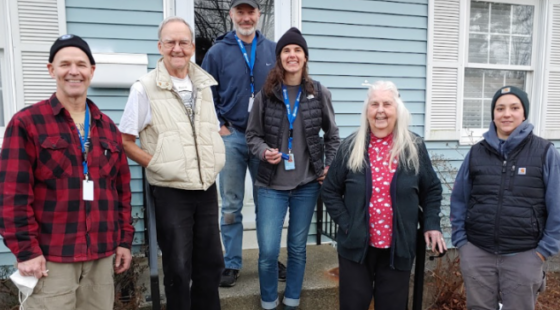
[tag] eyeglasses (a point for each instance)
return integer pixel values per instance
(184, 44)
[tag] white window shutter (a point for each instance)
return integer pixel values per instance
(444, 71)
(36, 24)
(552, 74)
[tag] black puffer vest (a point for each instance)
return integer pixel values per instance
(275, 119)
(506, 211)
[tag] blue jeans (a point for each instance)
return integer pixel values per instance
(273, 205)
(232, 191)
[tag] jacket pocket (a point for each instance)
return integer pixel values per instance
(53, 158)
(356, 236)
(109, 158)
(535, 224)
(219, 152)
(169, 162)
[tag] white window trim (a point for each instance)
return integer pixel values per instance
(8, 78)
(535, 72)
(470, 136)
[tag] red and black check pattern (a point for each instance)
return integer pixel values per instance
(41, 207)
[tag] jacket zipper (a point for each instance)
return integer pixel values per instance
(190, 113)
(368, 176)
(394, 206)
(511, 176)
(500, 202)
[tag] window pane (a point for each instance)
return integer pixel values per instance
(508, 40)
(521, 50)
(486, 115)
(471, 114)
(522, 19)
(500, 18)
(480, 86)
(480, 13)
(473, 85)
(478, 48)
(212, 20)
(499, 50)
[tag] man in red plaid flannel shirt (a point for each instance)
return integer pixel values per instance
(65, 190)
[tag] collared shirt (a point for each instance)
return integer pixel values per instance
(380, 205)
(42, 210)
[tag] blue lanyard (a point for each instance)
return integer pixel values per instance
(83, 141)
(291, 114)
(250, 63)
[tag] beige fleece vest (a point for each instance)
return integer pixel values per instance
(184, 156)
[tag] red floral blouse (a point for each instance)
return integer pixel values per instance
(380, 206)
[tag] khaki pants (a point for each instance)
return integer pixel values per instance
(514, 280)
(80, 286)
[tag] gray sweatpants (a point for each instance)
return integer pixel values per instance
(515, 280)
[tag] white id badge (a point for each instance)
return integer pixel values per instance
(290, 163)
(88, 190)
(251, 100)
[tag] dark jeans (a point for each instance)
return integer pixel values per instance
(390, 291)
(189, 238)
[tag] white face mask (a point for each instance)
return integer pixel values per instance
(25, 286)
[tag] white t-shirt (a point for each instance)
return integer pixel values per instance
(137, 113)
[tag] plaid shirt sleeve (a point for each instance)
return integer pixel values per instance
(18, 226)
(123, 188)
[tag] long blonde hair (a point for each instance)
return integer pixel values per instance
(404, 146)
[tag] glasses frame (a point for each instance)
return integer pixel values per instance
(183, 44)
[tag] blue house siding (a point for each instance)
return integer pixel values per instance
(354, 41)
(119, 27)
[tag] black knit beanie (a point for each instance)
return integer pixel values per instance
(292, 36)
(70, 40)
(511, 90)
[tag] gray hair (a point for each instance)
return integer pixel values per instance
(171, 19)
(404, 147)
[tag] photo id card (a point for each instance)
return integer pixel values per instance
(290, 163)
(251, 100)
(88, 190)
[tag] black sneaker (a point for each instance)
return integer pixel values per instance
(281, 272)
(229, 277)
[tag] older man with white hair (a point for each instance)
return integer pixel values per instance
(172, 110)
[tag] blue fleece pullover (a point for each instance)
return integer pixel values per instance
(550, 242)
(225, 62)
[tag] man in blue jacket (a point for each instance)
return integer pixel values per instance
(240, 61)
(505, 209)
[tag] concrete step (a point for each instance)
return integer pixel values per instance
(320, 288)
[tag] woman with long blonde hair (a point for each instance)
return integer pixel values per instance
(380, 178)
